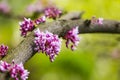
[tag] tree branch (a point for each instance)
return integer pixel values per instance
(25, 50)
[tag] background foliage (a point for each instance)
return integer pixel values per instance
(97, 56)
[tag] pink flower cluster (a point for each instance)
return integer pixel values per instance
(4, 66)
(26, 25)
(3, 50)
(72, 37)
(94, 20)
(40, 20)
(35, 7)
(16, 71)
(4, 7)
(47, 43)
(52, 12)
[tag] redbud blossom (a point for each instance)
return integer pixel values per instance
(47, 43)
(52, 12)
(16, 71)
(35, 7)
(4, 66)
(40, 20)
(100, 21)
(25, 26)
(4, 7)
(94, 20)
(72, 38)
(3, 50)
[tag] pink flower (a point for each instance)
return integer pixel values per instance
(94, 20)
(18, 71)
(25, 26)
(52, 12)
(100, 21)
(4, 66)
(72, 38)
(40, 20)
(36, 7)
(47, 43)
(3, 50)
(4, 7)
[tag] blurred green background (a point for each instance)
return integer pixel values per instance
(97, 56)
